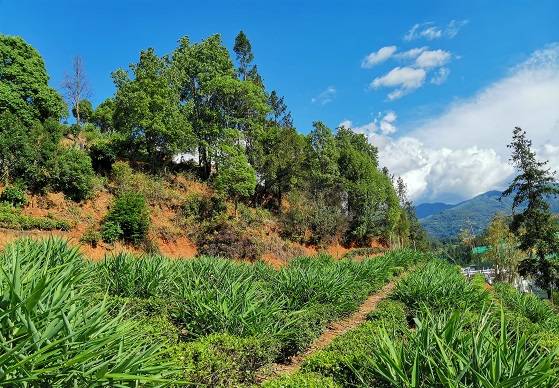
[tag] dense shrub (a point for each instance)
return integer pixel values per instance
(202, 207)
(301, 380)
(104, 150)
(131, 214)
(223, 360)
(142, 277)
(528, 305)
(389, 312)
(73, 174)
(312, 221)
(91, 236)
(14, 195)
(485, 354)
(224, 238)
(111, 232)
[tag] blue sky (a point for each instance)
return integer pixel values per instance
(313, 53)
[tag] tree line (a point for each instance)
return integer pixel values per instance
(200, 110)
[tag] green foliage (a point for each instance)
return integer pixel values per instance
(26, 154)
(53, 331)
(486, 354)
(221, 360)
(86, 111)
(389, 312)
(235, 177)
(104, 149)
(12, 218)
(148, 113)
(535, 226)
(14, 195)
(280, 166)
(129, 276)
(440, 286)
(91, 236)
(103, 115)
(24, 89)
(312, 221)
(111, 232)
(73, 174)
(528, 305)
(131, 214)
(202, 207)
(301, 380)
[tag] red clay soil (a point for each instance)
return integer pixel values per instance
(336, 329)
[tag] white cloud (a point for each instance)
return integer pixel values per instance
(325, 96)
(527, 97)
(462, 152)
(345, 123)
(405, 79)
(387, 125)
(411, 53)
(440, 76)
(431, 31)
(433, 58)
(378, 56)
(442, 174)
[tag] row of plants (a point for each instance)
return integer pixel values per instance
(128, 321)
(439, 329)
(228, 320)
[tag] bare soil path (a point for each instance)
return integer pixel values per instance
(335, 329)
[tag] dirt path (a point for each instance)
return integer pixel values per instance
(335, 329)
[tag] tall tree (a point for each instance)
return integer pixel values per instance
(76, 86)
(217, 100)
(24, 89)
(197, 69)
(236, 177)
(103, 115)
(283, 154)
(243, 52)
(279, 113)
(535, 226)
(85, 110)
(148, 112)
(503, 249)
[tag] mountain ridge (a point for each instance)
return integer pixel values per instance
(474, 213)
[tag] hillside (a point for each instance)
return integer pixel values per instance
(426, 209)
(473, 214)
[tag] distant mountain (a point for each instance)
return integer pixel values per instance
(475, 213)
(426, 209)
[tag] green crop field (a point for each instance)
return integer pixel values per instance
(150, 320)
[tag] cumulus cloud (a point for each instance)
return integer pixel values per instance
(387, 123)
(377, 57)
(325, 96)
(442, 174)
(433, 58)
(431, 31)
(462, 152)
(405, 79)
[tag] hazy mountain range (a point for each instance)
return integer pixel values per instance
(443, 221)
